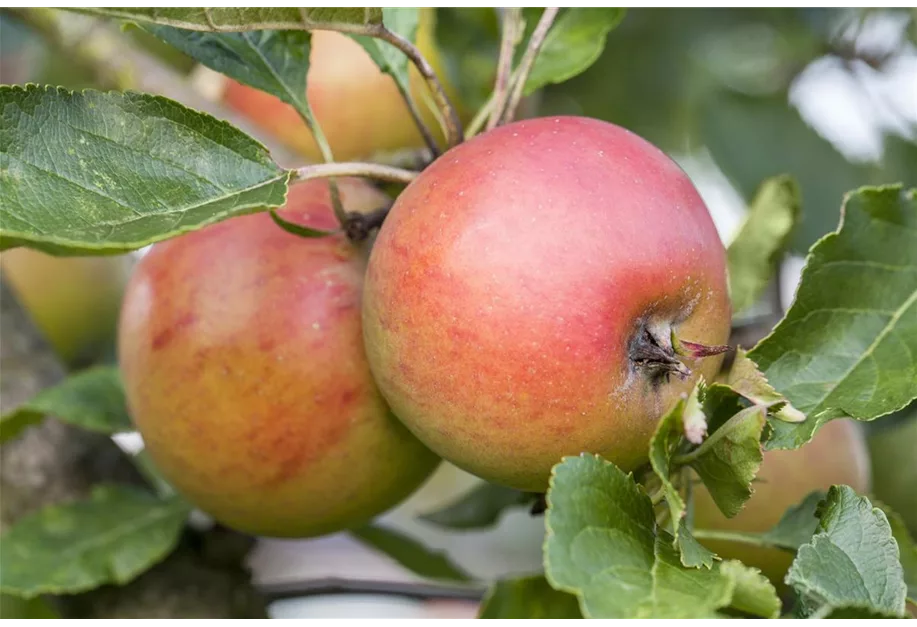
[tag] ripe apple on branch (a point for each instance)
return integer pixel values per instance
(545, 304)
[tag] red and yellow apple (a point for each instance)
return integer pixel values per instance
(523, 295)
(243, 364)
(837, 455)
(359, 108)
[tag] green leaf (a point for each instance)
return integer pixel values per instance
(907, 548)
(600, 537)
(479, 508)
(848, 344)
(246, 19)
(298, 229)
(753, 593)
(92, 399)
(528, 597)
(103, 173)
(729, 459)
(853, 612)
(12, 607)
(797, 525)
(755, 253)
(144, 464)
(109, 538)
(602, 545)
(401, 21)
(853, 560)
(746, 380)
(410, 553)
(574, 42)
(663, 447)
(273, 61)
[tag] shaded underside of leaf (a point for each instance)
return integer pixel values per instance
(528, 597)
(480, 508)
(410, 553)
(753, 256)
(728, 461)
(275, 62)
(92, 399)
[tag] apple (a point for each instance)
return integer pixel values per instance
(529, 294)
(244, 369)
(74, 301)
(837, 455)
(359, 108)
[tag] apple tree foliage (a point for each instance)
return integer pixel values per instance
(104, 173)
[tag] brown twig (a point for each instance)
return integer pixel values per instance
(528, 61)
(452, 124)
(512, 30)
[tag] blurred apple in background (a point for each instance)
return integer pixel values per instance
(892, 444)
(74, 301)
(359, 108)
(837, 455)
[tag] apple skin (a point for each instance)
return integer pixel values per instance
(243, 364)
(509, 281)
(74, 301)
(360, 110)
(837, 455)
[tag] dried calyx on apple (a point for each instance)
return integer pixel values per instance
(656, 350)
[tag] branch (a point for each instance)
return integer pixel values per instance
(319, 587)
(367, 170)
(512, 29)
(425, 131)
(528, 61)
(452, 125)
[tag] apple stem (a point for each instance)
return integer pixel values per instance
(512, 29)
(358, 226)
(367, 170)
(527, 62)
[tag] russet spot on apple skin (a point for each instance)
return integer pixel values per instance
(242, 356)
(509, 282)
